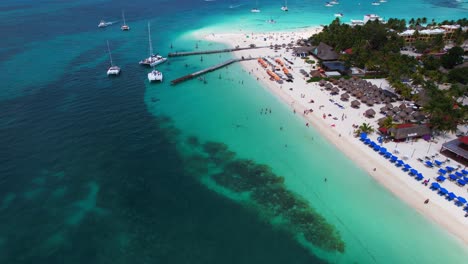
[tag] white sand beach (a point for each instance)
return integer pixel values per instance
(336, 124)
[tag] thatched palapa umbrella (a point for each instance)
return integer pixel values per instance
(345, 96)
(328, 86)
(370, 102)
(370, 113)
(355, 104)
(335, 90)
(322, 82)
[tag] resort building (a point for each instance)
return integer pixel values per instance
(457, 149)
(447, 32)
(323, 52)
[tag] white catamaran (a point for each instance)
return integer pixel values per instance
(124, 27)
(153, 59)
(255, 9)
(155, 75)
(113, 70)
(285, 7)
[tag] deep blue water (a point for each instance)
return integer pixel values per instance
(87, 175)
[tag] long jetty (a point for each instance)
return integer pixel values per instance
(188, 53)
(210, 69)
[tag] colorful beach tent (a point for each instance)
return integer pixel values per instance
(413, 172)
(393, 158)
(435, 186)
(363, 135)
(450, 169)
(461, 182)
(429, 164)
(438, 163)
(465, 172)
(452, 177)
(458, 174)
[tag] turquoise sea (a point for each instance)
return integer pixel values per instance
(116, 170)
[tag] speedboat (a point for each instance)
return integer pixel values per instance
(103, 24)
(284, 8)
(334, 2)
(375, 3)
(153, 60)
(339, 15)
(328, 5)
(155, 75)
(255, 10)
(113, 70)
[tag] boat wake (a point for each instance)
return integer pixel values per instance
(235, 6)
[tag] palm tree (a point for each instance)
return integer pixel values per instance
(424, 20)
(388, 123)
(364, 128)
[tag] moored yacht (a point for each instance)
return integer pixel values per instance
(255, 9)
(155, 75)
(328, 4)
(285, 7)
(153, 59)
(124, 27)
(113, 69)
(375, 3)
(338, 14)
(334, 2)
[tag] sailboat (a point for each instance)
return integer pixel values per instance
(113, 70)
(255, 9)
(155, 75)
(152, 60)
(285, 7)
(124, 27)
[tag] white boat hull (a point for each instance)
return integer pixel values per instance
(155, 76)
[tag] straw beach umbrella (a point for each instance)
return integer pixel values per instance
(345, 96)
(355, 104)
(370, 113)
(335, 90)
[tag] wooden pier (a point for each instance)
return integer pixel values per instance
(188, 53)
(210, 69)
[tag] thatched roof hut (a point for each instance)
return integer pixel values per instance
(402, 114)
(370, 102)
(370, 113)
(335, 90)
(383, 109)
(322, 82)
(402, 106)
(328, 86)
(408, 132)
(389, 106)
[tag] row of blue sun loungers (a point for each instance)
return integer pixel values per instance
(392, 158)
(459, 200)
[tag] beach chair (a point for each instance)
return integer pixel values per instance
(429, 164)
(441, 178)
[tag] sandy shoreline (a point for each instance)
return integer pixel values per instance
(338, 130)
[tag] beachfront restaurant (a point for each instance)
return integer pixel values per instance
(403, 132)
(323, 52)
(457, 149)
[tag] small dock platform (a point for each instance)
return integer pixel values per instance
(210, 69)
(188, 53)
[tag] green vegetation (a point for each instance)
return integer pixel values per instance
(364, 128)
(376, 48)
